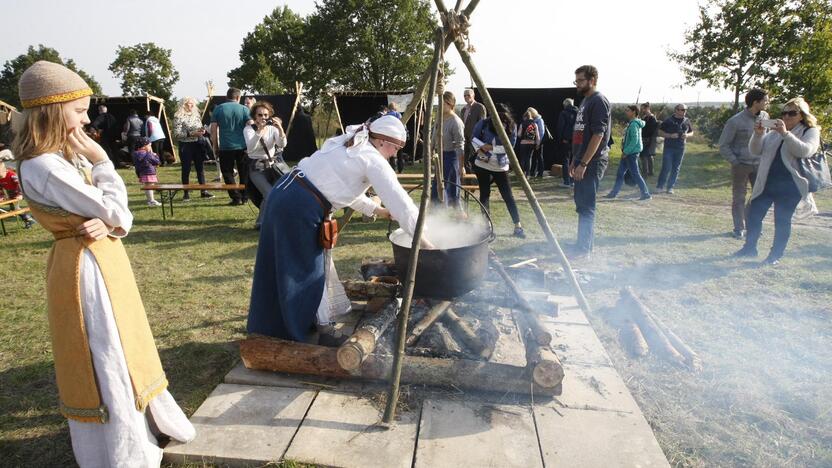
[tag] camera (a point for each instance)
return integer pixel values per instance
(271, 121)
(768, 123)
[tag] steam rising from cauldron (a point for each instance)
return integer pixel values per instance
(445, 230)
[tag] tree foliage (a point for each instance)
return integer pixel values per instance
(273, 56)
(346, 44)
(806, 69)
(737, 44)
(145, 68)
(12, 70)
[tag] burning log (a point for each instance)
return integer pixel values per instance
(542, 336)
(363, 341)
(430, 317)
(357, 289)
(466, 334)
(633, 339)
(276, 355)
(545, 366)
(377, 267)
(654, 335)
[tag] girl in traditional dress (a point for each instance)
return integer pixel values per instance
(295, 285)
(110, 380)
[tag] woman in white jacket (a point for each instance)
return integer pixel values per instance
(779, 182)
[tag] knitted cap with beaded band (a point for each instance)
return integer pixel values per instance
(50, 83)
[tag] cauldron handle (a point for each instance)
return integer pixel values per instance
(491, 235)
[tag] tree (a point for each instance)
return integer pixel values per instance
(805, 70)
(273, 55)
(12, 70)
(737, 44)
(145, 69)
(369, 45)
(373, 45)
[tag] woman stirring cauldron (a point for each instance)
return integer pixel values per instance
(295, 284)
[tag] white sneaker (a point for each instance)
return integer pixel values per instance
(153, 203)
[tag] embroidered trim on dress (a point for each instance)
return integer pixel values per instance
(150, 392)
(56, 98)
(99, 415)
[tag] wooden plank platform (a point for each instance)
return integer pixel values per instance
(596, 422)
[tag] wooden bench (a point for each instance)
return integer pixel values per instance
(168, 192)
(4, 215)
(409, 177)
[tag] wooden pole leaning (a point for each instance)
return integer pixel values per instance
(524, 183)
(298, 93)
(419, 90)
(401, 329)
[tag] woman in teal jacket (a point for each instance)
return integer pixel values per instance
(631, 148)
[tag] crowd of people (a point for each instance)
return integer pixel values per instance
(110, 380)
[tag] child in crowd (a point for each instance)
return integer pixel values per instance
(10, 187)
(145, 162)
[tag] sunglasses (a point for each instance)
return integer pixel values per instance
(790, 113)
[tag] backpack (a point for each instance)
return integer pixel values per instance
(529, 130)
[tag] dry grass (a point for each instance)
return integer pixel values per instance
(764, 333)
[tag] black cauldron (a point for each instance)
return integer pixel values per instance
(449, 273)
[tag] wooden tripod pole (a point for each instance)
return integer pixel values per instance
(538, 211)
(401, 328)
(419, 91)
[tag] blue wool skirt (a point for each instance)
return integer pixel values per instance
(289, 270)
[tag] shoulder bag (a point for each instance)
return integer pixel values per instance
(816, 168)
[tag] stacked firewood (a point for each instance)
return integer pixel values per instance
(642, 332)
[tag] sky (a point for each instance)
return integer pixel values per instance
(519, 43)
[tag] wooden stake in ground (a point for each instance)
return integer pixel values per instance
(401, 329)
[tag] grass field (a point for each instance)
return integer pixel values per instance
(763, 399)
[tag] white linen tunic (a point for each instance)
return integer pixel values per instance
(343, 178)
(126, 439)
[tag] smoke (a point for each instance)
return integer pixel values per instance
(447, 229)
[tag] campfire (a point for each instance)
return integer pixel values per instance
(485, 337)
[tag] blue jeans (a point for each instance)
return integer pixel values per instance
(585, 192)
(671, 163)
(629, 163)
(524, 156)
(784, 197)
(450, 169)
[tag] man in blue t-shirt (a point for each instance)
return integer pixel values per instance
(227, 123)
(675, 130)
(590, 154)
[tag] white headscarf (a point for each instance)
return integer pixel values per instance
(386, 125)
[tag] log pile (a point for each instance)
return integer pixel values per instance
(450, 342)
(641, 332)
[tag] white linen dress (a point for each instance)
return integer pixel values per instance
(126, 440)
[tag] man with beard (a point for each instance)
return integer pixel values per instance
(590, 154)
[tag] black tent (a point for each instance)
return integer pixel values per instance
(547, 101)
(301, 136)
(120, 108)
(355, 107)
